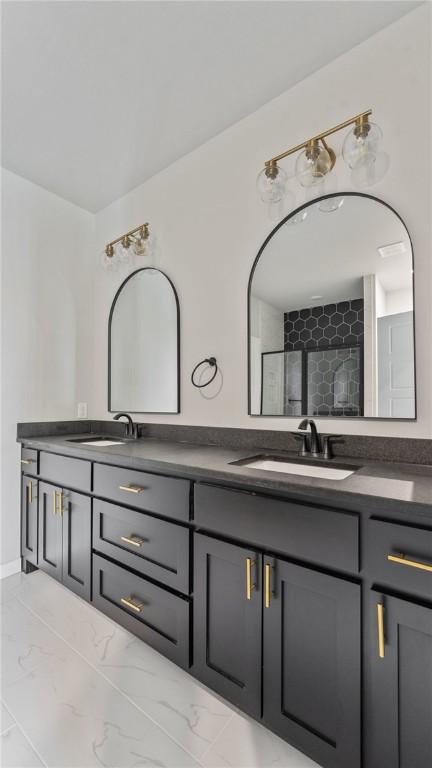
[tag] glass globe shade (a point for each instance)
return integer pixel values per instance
(312, 164)
(109, 263)
(361, 145)
(298, 218)
(122, 254)
(331, 204)
(271, 184)
(144, 246)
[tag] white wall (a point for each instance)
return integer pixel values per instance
(46, 324)
(210, 222)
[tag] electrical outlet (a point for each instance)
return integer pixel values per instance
(82, 410)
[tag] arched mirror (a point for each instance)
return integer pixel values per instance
(144, 340)
(331, 313)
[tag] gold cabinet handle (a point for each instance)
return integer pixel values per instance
(131, 488)
(381, 634)
(402, 560)
(132, 604)
(249, 583)
(134, 540)
(58, 509)
(30, 497)
(267, 586)
(26, 461)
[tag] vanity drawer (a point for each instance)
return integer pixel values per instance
(411, 573)
(151, 546)
(64, 471)
(164, 496)
(317, 534)
(29, 461)
(157, 616)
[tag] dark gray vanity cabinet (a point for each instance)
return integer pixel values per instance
(228, 620)
(156, 615)
(50, 531)
(268, 600)
(312, 661)
(65, 537)
(77, 525)
(29, 519)
(400, 711)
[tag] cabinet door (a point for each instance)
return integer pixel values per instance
(76, 512)
(227, 621)
(400, 712)
(29, 519)
(312, 662)
(50, 530)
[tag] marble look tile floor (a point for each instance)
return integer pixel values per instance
(79, 691)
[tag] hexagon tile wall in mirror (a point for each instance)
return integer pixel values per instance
(144, 345)
(331, 313)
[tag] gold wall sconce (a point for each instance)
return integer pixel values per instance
(138, 242)
(317, 158)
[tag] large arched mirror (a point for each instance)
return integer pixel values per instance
(143, 356)
(331, 313)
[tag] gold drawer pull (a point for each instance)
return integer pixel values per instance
(249, 583)
(26, 461)
(413, 563)
(130, 602)
(267, 578)
(131, 488)
(381, 634)
(134, 540)
(54, 502)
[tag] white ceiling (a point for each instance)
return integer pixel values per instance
(99, 96)
(328, 254)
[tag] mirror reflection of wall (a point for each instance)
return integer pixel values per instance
(331, 314)
(143, 345)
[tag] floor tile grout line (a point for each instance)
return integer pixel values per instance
(6, 730)
(122, 693)
(217, 737)
(22, 730)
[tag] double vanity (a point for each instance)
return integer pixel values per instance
(304, 600)
(295, 585)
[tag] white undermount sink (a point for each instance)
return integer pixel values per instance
(102, 442)
(298, 468)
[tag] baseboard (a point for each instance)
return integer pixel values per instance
(8, 569)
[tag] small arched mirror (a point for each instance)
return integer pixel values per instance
(331, 313)
(144, 341)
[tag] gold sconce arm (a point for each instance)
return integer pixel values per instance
(362, 117)
(141, 231)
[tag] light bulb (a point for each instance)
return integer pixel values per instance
(361, 144)
(271, 183)
(312, 164)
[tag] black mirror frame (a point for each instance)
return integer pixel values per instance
(256, 260)
(129, 277)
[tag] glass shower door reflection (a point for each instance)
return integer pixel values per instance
(335, 382)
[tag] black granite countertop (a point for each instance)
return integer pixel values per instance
(406, 485)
